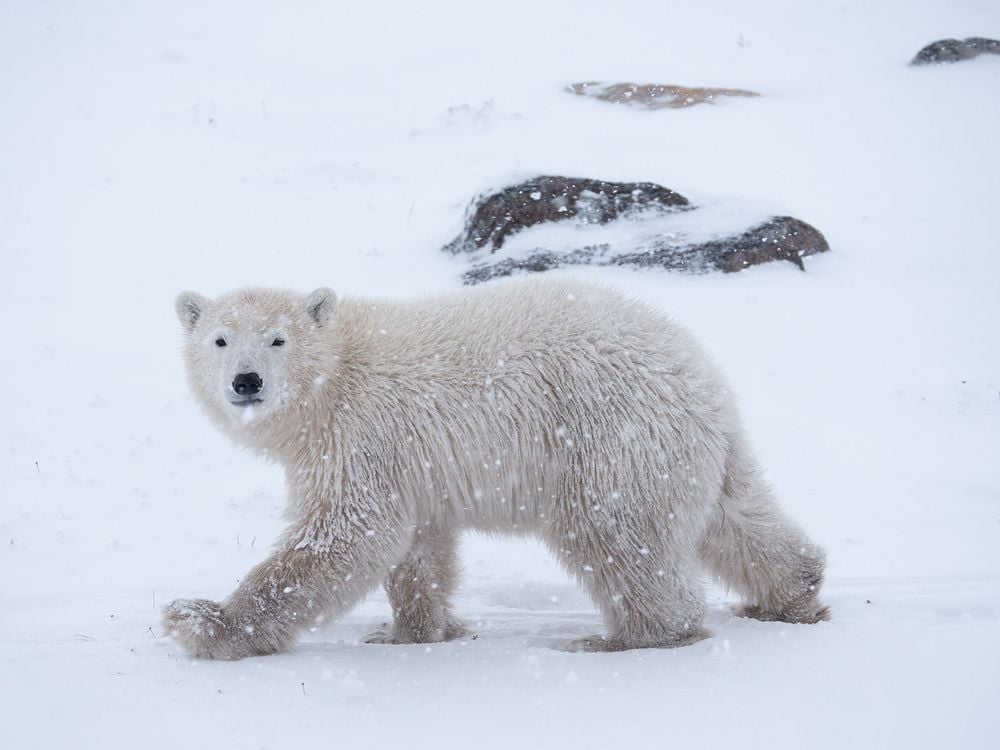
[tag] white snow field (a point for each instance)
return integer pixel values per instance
(147, 148)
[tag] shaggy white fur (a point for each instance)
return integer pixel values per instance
(550, 408)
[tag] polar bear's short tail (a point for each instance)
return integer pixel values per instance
(752, 547)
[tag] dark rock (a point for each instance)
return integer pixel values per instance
(653, 95)
(493, 217)
(954, 50)
(498, 215)
(780, 238)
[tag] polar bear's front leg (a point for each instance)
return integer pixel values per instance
(261, 617)
(321, 570)
(419, 587)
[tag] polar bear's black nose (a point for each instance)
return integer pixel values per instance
(247, 383)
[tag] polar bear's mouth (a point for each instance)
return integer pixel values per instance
(252, 401)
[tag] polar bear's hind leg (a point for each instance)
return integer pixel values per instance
(753, 547)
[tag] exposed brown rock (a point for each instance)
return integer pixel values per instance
(954, 50)
(653, 95)
(498, 215)
(493, 217)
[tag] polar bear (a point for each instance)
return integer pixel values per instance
(550, 408)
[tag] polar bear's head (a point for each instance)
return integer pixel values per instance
(254, 353)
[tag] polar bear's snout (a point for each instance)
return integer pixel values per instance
(247, 385)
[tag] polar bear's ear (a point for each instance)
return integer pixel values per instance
(189, 306)
(319, 305)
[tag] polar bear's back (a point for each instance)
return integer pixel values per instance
(513, 316)
(535, 389)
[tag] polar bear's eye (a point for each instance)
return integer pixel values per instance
(220, 341)
(278, 342)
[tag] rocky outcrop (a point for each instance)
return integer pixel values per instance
(651, 212)
(496, 216)
(654, 95)
(954, 50)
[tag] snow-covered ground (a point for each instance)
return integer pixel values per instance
(148, 148)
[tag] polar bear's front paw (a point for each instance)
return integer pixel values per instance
(454, 629)
(197, 624)
(808, 612)
(202, 628)
(592, 644)
(381, 636)
(598, 643)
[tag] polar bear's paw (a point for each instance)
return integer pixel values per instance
(203, 629)
(453, 630)
(598, 643)
(591, 644)
(199, 626)
(808, 612)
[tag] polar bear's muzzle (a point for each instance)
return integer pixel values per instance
(246, 386)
